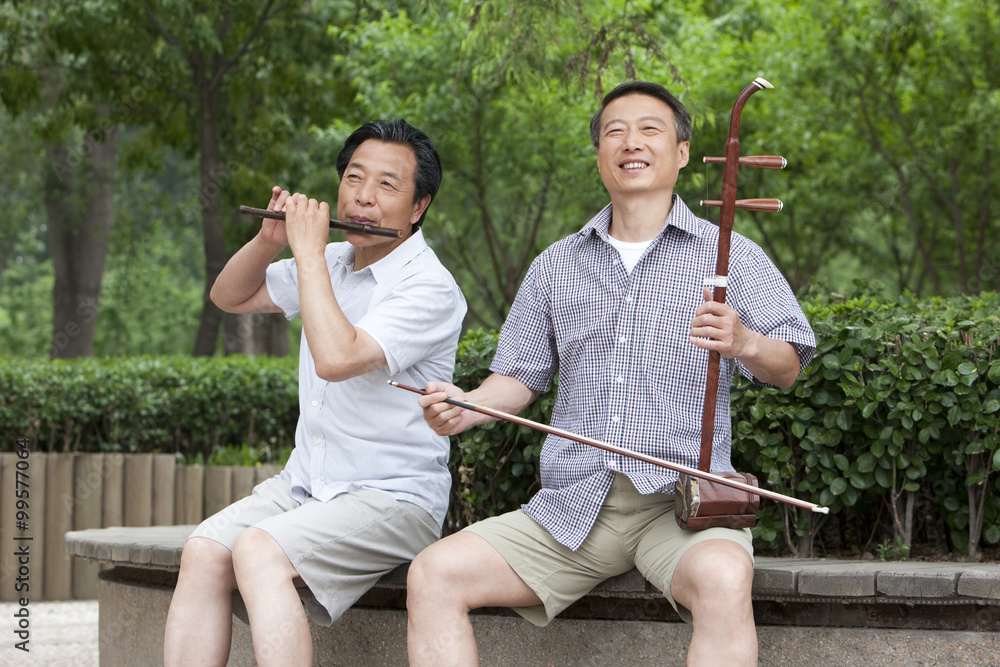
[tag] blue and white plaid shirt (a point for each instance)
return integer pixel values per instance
(628, 374)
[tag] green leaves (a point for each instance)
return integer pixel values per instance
(149, 404)
(898, 395)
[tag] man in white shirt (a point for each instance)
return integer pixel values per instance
(366, 487)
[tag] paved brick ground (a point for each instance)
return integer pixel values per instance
(63, 634)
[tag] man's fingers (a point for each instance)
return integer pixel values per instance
(427, 400)
(279, 204)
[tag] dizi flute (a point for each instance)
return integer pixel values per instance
(334, 224)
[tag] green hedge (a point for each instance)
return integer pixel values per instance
(183, 405)
(894, 425)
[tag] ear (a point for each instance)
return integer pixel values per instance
(685, 153)
(419, 208)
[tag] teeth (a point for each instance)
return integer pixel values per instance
(633, 165)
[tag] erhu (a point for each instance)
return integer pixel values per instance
(704, 505)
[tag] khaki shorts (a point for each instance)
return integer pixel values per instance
(339, 548)
(632, 530)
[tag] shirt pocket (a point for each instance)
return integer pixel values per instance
(583, 322)
(668, 359)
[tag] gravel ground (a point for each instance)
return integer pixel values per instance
(63, 634)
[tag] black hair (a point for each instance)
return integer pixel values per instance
(682, 119)
(427, 177)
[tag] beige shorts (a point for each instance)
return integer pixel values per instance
(632, 530)
(339, 548)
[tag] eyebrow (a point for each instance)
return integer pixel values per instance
(385, 174)
(640, 119)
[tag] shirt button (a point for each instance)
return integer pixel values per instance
(315, 403)
(616, 419)
(628, 299)
(317, 482)
(316, 441)
(621, 339)
(619, 379)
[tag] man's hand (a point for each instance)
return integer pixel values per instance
(272, 232)
(717, 326)
(307, 226)
(240, 286)
(444, 418)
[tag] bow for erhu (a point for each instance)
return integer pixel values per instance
(667, 465)
(731, 164)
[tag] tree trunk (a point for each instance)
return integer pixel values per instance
(4, 252)
(256, 334)
(212, 181)
(79, 194)
(250, 334)
(801, 546)
(976, 493)
(804, 545)
(975, 527)
(911, 501)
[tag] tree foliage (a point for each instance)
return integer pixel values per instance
(887, 113)
(893, 135)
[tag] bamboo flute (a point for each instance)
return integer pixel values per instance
(334, 224)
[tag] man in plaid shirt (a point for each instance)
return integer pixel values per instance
(620, 312)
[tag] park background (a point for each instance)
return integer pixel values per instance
(131, 132)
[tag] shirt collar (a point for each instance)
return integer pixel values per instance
(680, 217)
(392, 262)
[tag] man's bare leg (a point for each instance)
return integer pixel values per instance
(448, 579)
(200, 620)
(267, 582)
(713, 580)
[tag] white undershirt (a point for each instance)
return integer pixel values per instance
(630, 252)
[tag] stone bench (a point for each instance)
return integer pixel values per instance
(807, 611)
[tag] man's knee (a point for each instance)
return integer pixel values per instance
(204, 554)
(434, 573)
(733, 576)
(426, 572)
(256, 553)
(715, 568)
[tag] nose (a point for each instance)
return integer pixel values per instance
(365, 194)
(632, 141)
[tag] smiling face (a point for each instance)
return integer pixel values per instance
(638, 152)
(377, 188)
